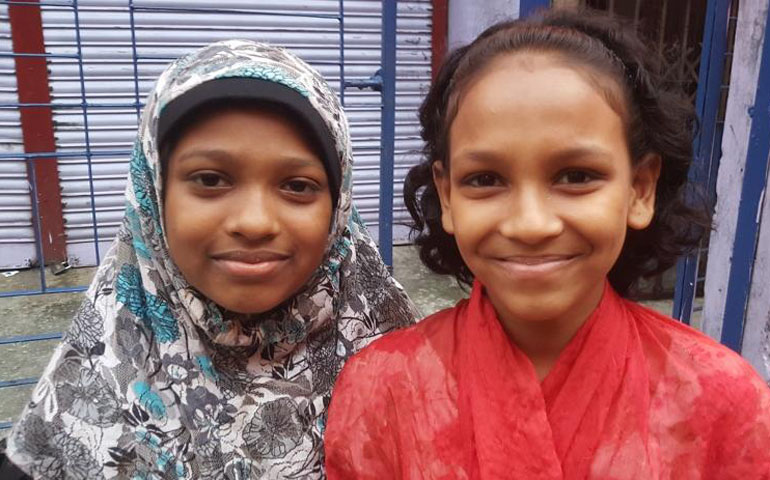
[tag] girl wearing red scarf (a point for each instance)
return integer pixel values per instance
(556, 161)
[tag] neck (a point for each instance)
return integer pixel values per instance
(543, 340)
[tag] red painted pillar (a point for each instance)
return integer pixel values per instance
(439, 34)
(37, 124)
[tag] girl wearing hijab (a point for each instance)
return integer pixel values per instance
(240, 282)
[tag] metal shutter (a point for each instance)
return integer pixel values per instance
(163, 33)
(17, 237)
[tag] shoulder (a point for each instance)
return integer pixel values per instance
(403, 344)
(403, 355)
(723, 377)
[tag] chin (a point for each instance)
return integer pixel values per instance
(253, 309)
(539, 316)
(248, 299)
(246, 308)
(535, 309)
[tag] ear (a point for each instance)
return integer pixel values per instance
(644, 182)
(442, 182)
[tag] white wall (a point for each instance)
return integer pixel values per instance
(468, 18)
(756, 337)
(743, 84)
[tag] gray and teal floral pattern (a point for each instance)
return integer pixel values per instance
(154, 381)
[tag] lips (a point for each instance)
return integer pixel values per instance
(537, 259)
(251, 264)
(534, 266)
(250, 256)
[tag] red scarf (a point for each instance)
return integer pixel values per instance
(634, 395)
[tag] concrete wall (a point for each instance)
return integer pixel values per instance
(756, 339)
(468, 18)
(750, 32)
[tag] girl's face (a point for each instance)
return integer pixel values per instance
(540, 187)
(247, 208)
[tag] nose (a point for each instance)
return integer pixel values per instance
(253, 216)
(531, 218)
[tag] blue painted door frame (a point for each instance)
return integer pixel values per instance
(707, 144)
(527, 7)
(753, 190)
(388, 125)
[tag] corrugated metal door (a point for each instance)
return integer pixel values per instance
(17, 237)
(163, 30)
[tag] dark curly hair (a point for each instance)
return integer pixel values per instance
(658, 119)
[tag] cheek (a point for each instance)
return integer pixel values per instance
(474, 220)
(601, 218)
(188, 223)
(310, 227)
(173, 216)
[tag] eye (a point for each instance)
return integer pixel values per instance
(300, 187)
(576, 177)
(209, 180)
(482, 180)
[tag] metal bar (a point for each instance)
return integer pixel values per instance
(235, 11)
(37, 55)
(37, 128)
(750, 207)
(41, 4)
(174, 57)
(69, 105)
(388, 126)
(662, 27)
(374, 82)
(342, 51)
(37, 227)
(29, 338)
(528, 7)
(38, 156)
(637, 11)
(86, 133)
(135, 59)
(685, 38)
(366, 108)
(29, 293)
(705, 150)
(18, 382)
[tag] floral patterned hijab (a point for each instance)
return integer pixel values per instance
(155, 381)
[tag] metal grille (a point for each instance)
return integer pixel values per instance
(677, 30)
(674, 27)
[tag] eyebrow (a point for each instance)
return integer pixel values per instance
(567, 154)
(299, 162)
(207, 153)
(290, 161)
(575, 153)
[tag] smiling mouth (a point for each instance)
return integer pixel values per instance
(538, 259)
(251, 265)
(534, 265)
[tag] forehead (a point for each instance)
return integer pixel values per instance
(255, 122)
(527, 72)
(526, 98)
